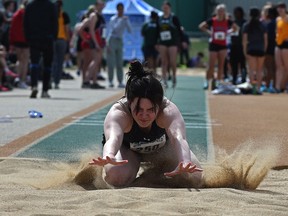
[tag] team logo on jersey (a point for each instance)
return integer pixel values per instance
(148, 146)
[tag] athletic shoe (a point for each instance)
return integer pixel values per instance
(56, 86)
(258, 92)
(263, 88)
(274, 91)
(22, 85)
(96, 86)
(121, 85)
(206, 85)
(34, 93)
(86, 85)
(66, 76)
(11, 74)
(45, 95)
(3, 89)
(111, 85)
(215, 83)
(100, 77)
(174, 81)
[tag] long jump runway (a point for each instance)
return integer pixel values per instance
(84, 134)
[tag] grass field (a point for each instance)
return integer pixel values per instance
(199, 45)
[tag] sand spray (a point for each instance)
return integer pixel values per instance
(244, 168)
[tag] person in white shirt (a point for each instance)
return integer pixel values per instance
(115, 30)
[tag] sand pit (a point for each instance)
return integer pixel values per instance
(237, 183)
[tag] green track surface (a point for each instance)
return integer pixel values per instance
(85, 135)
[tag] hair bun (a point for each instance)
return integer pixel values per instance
(136, 69)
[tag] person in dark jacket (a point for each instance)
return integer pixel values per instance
(41, 28)
(237, 57)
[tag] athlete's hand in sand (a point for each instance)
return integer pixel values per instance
(183, 168)
(107, 160)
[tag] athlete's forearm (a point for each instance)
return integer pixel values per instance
(111, 147)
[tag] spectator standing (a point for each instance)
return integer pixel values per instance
(3, 65)
(255, 46)
(41, 28)
(60, 44)
(115, 30)
(184, 50)
(269, 14)
(19, 43)
(149, 32)
(100, 36)
(1, 25)
(237, 58)
(281, 51)
(91, 48)
(217, 27)
(9, 9)
(170, 35)
(75, 45)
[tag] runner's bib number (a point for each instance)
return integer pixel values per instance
(165, 35)
(148, 147)
(219, 36)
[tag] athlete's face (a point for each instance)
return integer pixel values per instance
(120, 10)
(147, 112)
(221, 13)
(281, 10)
(166, 9)
(100, 6)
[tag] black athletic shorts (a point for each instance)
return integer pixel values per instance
(256, 53)
(284, 45)
(216, 47)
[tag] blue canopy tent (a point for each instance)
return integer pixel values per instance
(138, 12)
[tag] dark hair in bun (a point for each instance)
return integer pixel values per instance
(143, 84)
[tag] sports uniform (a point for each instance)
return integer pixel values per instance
(169, 31)
(282, 34)
(139, 141)
(255, 46)
(98, 29)
(219, 28)
(149, 32)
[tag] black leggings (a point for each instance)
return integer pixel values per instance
(44, 50)
(237, 58)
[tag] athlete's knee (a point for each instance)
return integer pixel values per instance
(118, 177)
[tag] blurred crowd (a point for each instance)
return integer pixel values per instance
(38, 42)
(253, 51)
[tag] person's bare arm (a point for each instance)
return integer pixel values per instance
(234, 28)
(174, 124)
(115, 124)
(203, 26)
